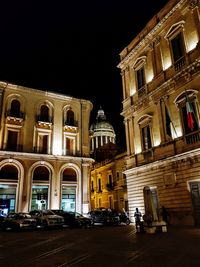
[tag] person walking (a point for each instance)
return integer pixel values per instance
(138, 216)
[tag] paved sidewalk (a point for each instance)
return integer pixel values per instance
(179, 247)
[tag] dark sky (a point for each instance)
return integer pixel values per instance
(72, 47)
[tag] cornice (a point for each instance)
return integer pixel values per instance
(164, 162)
(150, 35)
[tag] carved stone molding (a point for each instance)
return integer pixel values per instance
(193, 4)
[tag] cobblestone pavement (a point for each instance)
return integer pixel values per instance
(101, 246)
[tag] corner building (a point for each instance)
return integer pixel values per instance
(44, 150)
(160, 72)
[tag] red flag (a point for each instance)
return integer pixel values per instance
(190, 120)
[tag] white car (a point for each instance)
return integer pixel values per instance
(46, 218)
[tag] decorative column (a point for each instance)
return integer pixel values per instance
(85, 187)
(194, 6)
(127, 131)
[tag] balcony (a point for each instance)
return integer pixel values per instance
(13, 117)
(13, 148)
(179, 64)
(168, 149)
(142, 91)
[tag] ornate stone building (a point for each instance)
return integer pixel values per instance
(108, 184)
(160, 72)
(44, 150)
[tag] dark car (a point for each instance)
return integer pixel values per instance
(17, 221)
(74, 219)
(104, 216)
(47, 219)
(1, 220)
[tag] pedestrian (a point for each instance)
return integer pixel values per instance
(138, 216)
(165, 215)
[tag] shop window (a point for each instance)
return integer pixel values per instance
(39, 197)
(69, 198)
(9, 172)
(40, 188)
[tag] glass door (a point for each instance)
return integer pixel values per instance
(7, 198)
(39, 197)
(69, 198)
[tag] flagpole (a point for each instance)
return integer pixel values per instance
(188, 100)
(170, 118)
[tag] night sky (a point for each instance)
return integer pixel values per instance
(72, 47)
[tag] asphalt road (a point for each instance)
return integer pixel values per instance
(101, 246)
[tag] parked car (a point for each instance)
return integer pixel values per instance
(104, 216)
(46, 218)
(74, 219)
(124, 219)
(17, 221)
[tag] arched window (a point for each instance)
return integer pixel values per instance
(15, 108)
(44, 113)
(41, 173)
(70, 117)
(69, 175)
(9, 172)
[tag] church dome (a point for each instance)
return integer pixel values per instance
(101, 132)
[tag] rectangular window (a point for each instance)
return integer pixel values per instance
(110, 179)
(39, 197)
(43, 144)
(69, 146)
(177, 47)
(146, 138)
(117, 175)
(12, 140)
(140, 78)
(99, 185)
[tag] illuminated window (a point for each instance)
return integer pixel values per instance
(145, 130)
(177, 44)
(188, 107)
(140, 78)
(139, 68)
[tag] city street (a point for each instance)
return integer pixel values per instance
(100, 246)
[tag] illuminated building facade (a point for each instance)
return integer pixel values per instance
(160, 72)
(108, 184)
(44, 150)
(101, 132)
